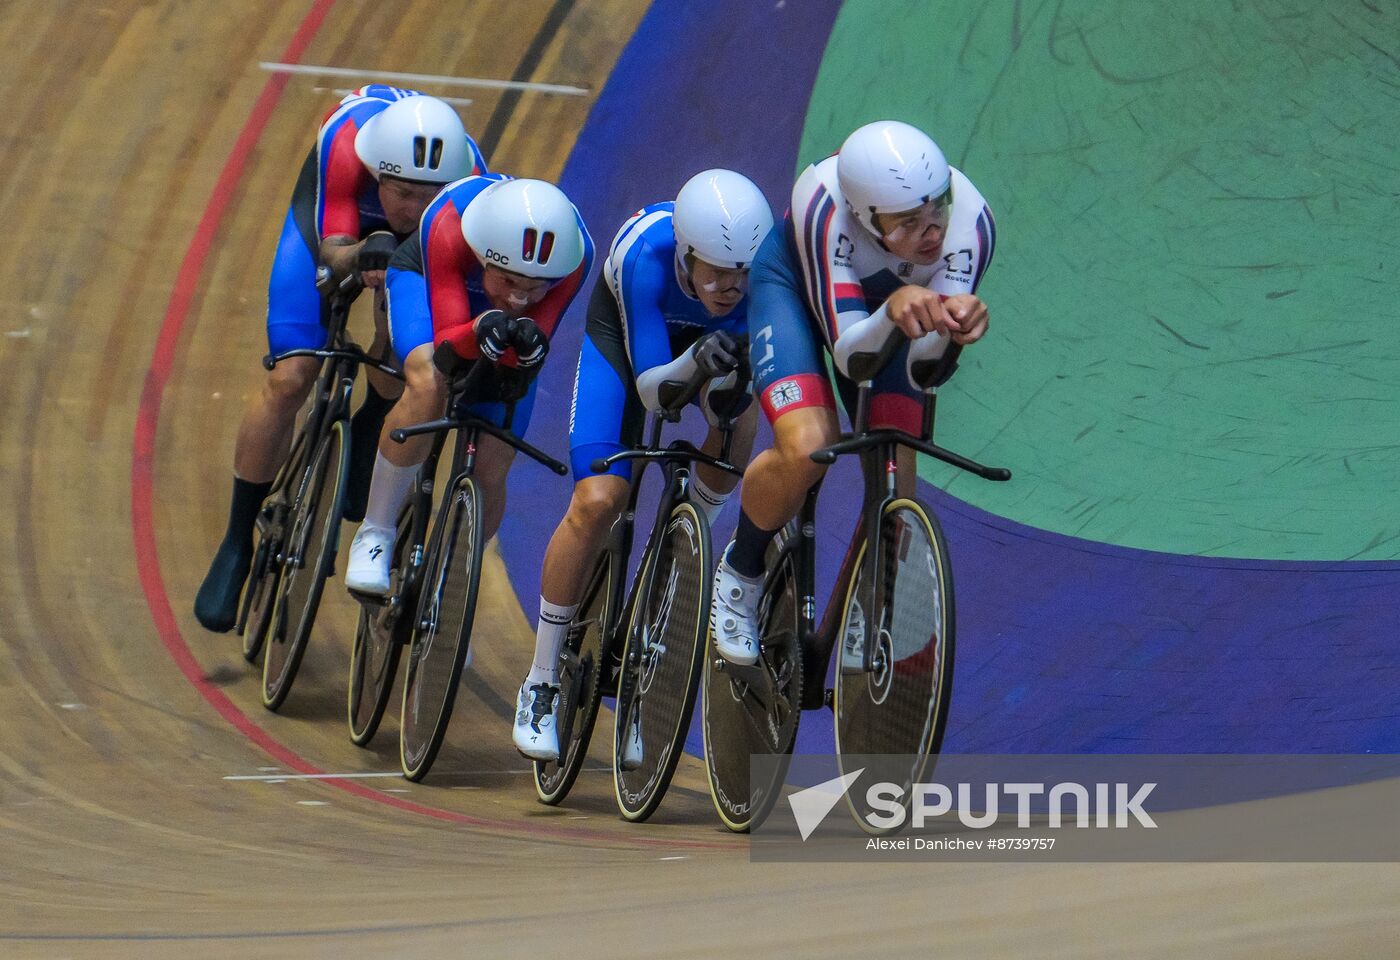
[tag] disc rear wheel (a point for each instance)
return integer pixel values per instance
(755, 711)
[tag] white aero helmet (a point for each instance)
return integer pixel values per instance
(721, 217)
(417, 138)
(525, 226)
(888, 167)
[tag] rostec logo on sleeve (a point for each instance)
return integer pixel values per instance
(386, 167)
(784, 394)
(845, 246)
(959, 262)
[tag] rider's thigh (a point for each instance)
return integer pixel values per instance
(493, 460)
(290, 381)
(597, 501)
(423, 381)
(797, 434)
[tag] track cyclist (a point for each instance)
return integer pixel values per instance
(671, 302)
(883, 236)
(380, 158)
(490, 272)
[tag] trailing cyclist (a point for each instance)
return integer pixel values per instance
(380, 158)
(884, 236)
(671, 302)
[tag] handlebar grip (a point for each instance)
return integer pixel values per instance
(998, 473)
(269, 361)
(599, 465)
(398, 436)
(824, 456)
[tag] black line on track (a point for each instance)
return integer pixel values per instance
(505, 108)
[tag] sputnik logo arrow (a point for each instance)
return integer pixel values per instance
(810, 806)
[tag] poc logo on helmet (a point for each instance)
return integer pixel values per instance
(497, 256)
(387, 167)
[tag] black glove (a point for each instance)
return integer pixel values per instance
(531, 345)
(376, 250)
(495, 334)
(716, 354)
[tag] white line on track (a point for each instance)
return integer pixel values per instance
(279, 777)
(484, 83)
(342, 91)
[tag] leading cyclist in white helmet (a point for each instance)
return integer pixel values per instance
(380, 157)
(490, 271)
(884, 236)
(671, 303)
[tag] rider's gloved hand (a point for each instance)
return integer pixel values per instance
(717, 353)
(373, 257)
(495, 334)
(531, 345)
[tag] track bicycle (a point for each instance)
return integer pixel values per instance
(644, 647)
(436, 571)
(298, 526)
(891, 609)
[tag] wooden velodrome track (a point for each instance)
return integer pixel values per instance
(148, 163)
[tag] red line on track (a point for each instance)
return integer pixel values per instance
(142, 480)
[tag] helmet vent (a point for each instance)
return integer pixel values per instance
(546, 247)
(528, 244)
(435, 154)
(420, 150)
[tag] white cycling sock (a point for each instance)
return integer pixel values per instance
(707, 500)
(549, 638)
(387, 491)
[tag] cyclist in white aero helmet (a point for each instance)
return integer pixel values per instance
(380, 157)
(884, 236)
(672, 301)
(490, 271)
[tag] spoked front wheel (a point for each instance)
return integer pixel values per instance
(899, 707)
(661, 663)
(754, 711)
(441, 629)
(380, 637)
(313, 534)
(581, 689)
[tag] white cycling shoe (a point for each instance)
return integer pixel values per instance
(371, 555)
(536, 734)
(734, 613)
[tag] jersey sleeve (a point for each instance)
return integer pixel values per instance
(830, 281)
(342, 179)
(446, 259)
(640, 287)
(970, 243)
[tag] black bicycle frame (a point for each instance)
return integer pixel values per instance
(466, 428)
(879, 454)
(675, 461)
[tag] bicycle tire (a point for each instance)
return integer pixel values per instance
(446, 607)
(581, 692)
(900, 708)
(738, 723)
(661, 689)
(313, 536)
(374, 657)
(265, 573)
(258, 598)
